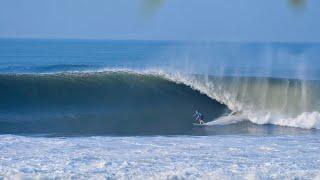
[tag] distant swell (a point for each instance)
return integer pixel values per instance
(131, 102)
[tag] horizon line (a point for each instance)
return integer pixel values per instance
(162, 40)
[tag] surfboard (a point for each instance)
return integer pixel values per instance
(197, 124)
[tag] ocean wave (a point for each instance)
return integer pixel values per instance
(112, 93)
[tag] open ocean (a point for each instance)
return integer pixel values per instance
(79, 109)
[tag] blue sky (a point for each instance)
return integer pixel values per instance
(212, 20)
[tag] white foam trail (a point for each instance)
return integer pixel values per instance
(225, 120)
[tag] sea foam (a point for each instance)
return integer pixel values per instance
(179, 157)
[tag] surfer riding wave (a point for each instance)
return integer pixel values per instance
(199, 117)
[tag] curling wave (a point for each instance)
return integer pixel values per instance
(284, 102)
(122, 101)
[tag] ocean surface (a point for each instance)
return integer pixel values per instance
(123, 110)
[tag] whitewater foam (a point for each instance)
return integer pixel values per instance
(179, 157)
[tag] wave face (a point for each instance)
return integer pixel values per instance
(113, 102)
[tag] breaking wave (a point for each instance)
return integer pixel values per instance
(278, 101)
(284, 102)
(114, 101)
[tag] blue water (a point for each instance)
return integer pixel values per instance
(123, 109)
(290, 60)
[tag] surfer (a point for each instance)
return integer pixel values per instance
(199, 117)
